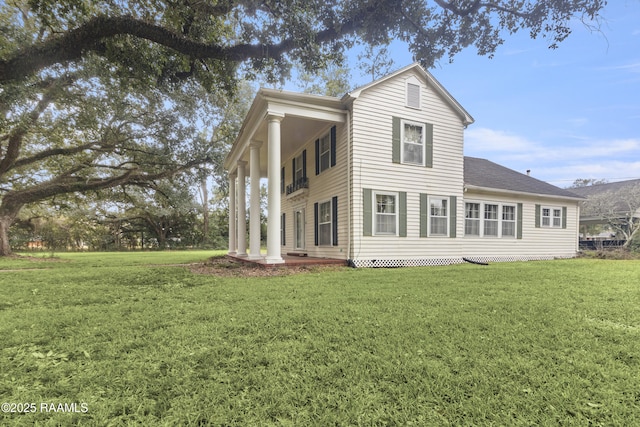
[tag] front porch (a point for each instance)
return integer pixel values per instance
(290, 261)
(277, 126)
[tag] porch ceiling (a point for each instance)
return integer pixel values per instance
(294, 133)
(305, 117)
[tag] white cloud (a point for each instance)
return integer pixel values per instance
(510, 145)
(613, 159)
(484, 139)
(633, 67)
(565, 175)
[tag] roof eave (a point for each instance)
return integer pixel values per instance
(520, 193)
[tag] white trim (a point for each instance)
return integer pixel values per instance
(489, 190)
(447, 214)
(403, 123)
(374, 210)
(551, 216)
(320, 203)
(499, 219)
(514, 220)
(295, 229)
(324, 136)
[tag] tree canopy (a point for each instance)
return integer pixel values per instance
(97, 94)
(175, 40)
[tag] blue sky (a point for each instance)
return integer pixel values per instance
(568, 113)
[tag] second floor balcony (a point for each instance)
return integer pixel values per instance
(298, 187)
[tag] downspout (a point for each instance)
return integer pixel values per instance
(349, 185)
(578, 227)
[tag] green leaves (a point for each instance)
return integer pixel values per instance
(267, 36)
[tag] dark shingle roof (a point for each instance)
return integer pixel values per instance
(483, 173)
(591, 190)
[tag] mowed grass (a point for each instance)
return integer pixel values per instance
(140, 343)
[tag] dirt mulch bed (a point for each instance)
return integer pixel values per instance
(227, 267)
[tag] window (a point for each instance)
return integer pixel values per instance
(551, 217)
(299, 171)
(438, 216)
(492, 220)
(472, 219)
(386, 218)
(298, 227)
(413, 143)
(557, 218)
(324, 223)
(325, 152)
(508, 221)
(546, 217)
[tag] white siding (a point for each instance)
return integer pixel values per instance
(323, 187)
(535, 243)
(373, 167)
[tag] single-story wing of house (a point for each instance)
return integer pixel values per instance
(378, 178)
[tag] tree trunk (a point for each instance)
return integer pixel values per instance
(9, 210)
(205, 211)
(5, 223)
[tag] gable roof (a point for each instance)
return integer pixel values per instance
(484, 174)
(591, 190)
(435, 84)
(622, 198)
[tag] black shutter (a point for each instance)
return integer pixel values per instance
(293, 171)
(317, 156)
(304, 163)
(284, 230)
(333, 146)
(315, 224)
(334, 220)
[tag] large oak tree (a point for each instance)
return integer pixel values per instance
(97, 94)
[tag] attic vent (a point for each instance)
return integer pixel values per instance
(413, 95)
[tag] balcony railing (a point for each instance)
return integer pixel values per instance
(298, 184)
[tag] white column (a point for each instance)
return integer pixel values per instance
(242, 209)
(232, 214)
(273, 201)
(254, 220)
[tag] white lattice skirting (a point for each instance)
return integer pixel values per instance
(426, 262)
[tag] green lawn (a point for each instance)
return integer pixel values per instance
(139, 343)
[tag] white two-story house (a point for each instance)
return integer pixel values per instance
(378, 178)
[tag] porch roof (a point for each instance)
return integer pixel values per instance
(304, 115)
